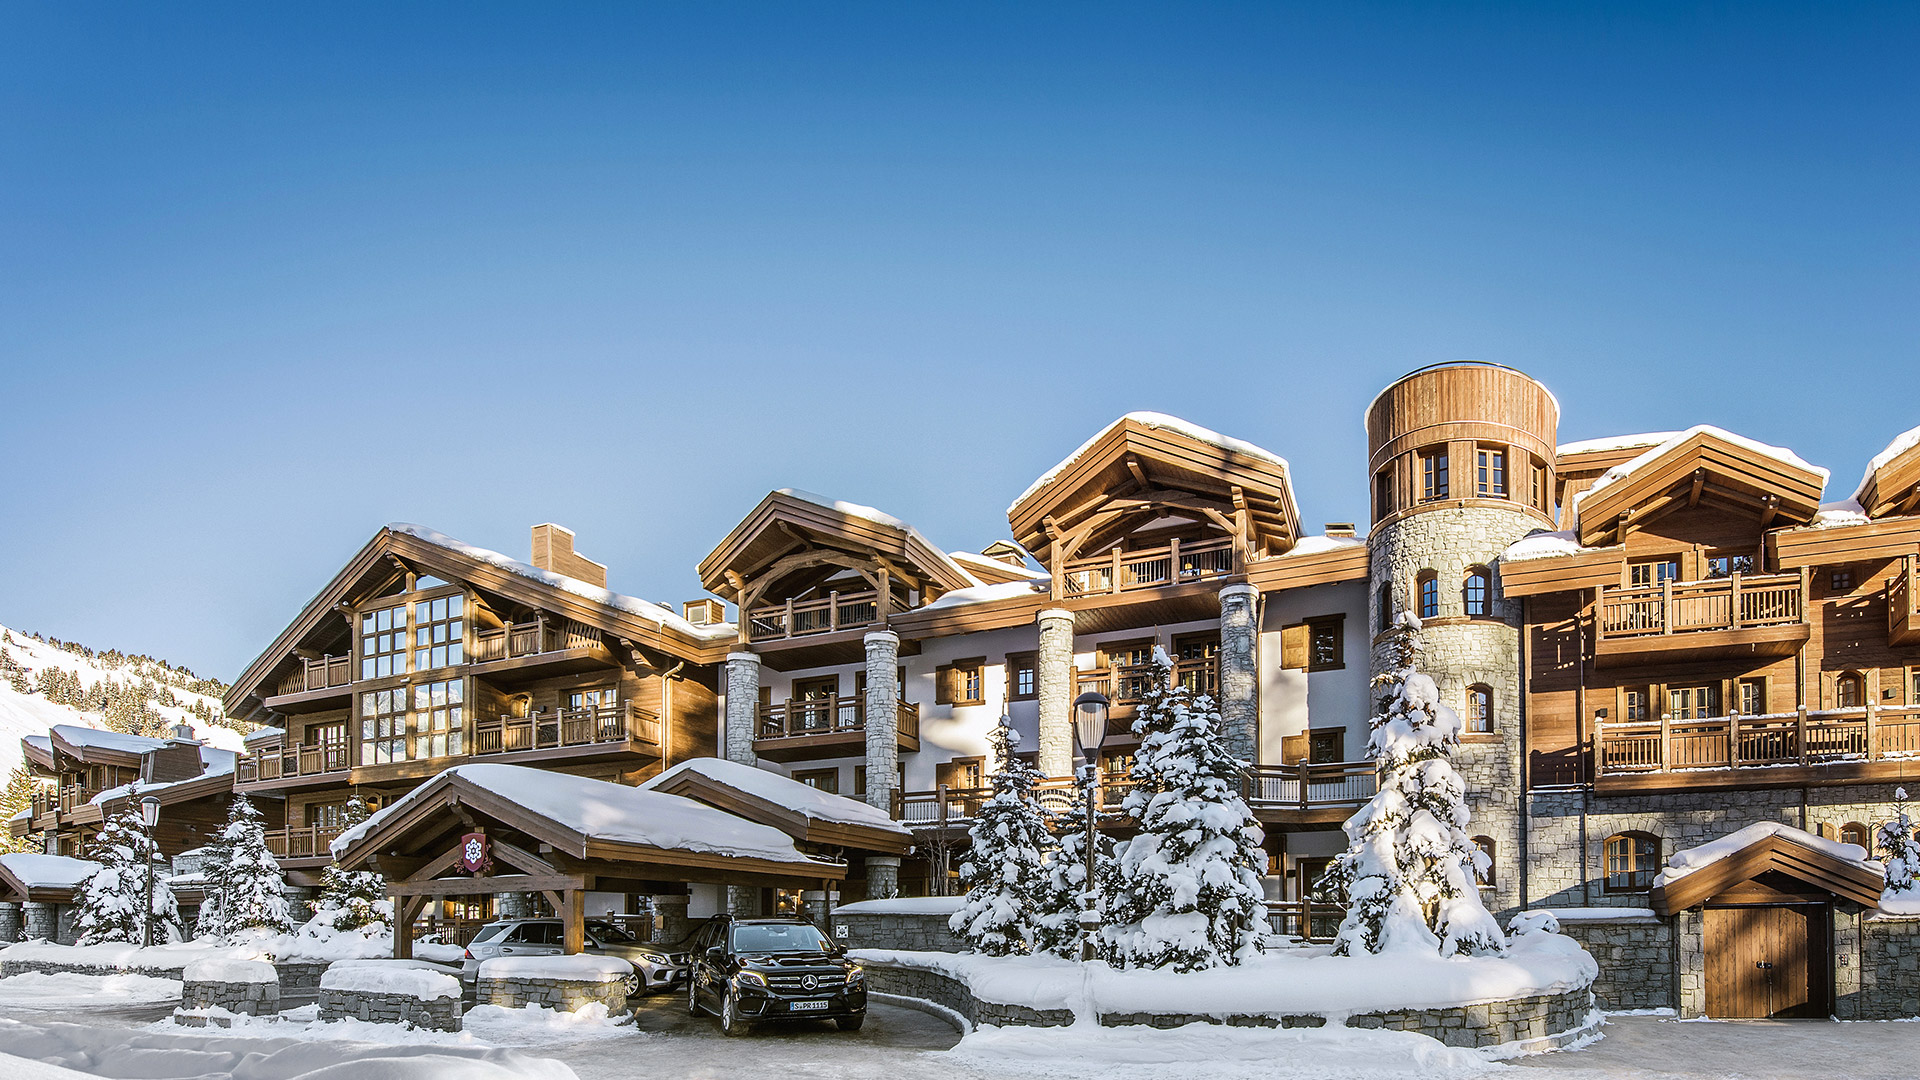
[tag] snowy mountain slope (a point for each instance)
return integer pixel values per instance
(48, 682)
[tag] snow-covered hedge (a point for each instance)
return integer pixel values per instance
(410, 978)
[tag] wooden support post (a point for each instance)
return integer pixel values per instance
(1733, 739)
(1800, 733)
(1173, 562)
(789, 627)
(883, 602)
(1873, 695)
(1736, 618)
(1666, 606)
(574, 920)
(1666, 740)
(1306, 775)
(833, 610)
(1114, 573)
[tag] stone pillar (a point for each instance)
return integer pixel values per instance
(1055, 688)
(743, 706)
(1690, 962)
(512, 905)
(743, 901)
(42, 920)
(10, 923)
(1239, 675)
(65, 916)
(813, 907)
(883, 876)
(883, 718)
(299, 901)
(670, 923)
(1847, 957)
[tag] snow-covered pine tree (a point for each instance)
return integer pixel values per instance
(1184, 892)
(1902, 858)
(215, 859)
(17, 796)
(113, 900)
(352, 899)
(254, 897)
(1407, 877)
(1056, 923)
(1002, 869)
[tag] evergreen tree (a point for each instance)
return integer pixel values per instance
(16, 798)
(1901, 855)
(1407, 877)
(1184, 892)
(253, 894)
(113, 901)
(352, 899)
(1056, 926)
(1002, 870)
(215, 859)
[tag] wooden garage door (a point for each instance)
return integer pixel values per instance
(1768, 961)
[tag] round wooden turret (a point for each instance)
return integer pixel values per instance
(1458, 410)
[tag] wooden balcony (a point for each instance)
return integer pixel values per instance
(1121, 571)
(282, 766)
(1702, 620)
(1782, 749)
(1306, 919)
(945, 806)
(1126, 686)
(537, 649)
(805, 729)
(1903, 604)
(1296, 794)
(830, 614)
(570, 732)
(64, 799)
(306, 842)
(313, 685)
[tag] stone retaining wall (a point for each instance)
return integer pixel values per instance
(438, 1014)
(1889, 970)
(1635, 957)
(1546, 1021)
(249, 998)
(566, 995)
(896, 932)
(300, 978)
(56, 967)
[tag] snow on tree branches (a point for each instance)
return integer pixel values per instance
(352, 899)
(113, 902)
(1002, 870)
(253, 892)
(1408, 874)
(1184, 892)
(1056, 926)
(1902, 858)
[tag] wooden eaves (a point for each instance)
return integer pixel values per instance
(1703, 468)
(1817, 868)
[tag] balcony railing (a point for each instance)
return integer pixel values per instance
(1306, 919)
(287, 762)
(66, 799)
(1279, 787)
(945, 805)
(1306, 787)
(531, 639)
(825, 615)
(1121, 571)
(1127, 684)
(797, 717)
(323, 674)
(306, 842)
(1734, 742)
(566, 727)
(1679, 607)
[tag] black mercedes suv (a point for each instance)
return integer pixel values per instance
(745, 970)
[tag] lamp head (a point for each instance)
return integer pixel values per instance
(150, 811)
(1090, 723)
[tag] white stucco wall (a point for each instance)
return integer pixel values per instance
(1291, 698)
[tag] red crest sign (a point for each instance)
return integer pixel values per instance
(476, 853)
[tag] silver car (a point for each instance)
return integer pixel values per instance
(654, 968)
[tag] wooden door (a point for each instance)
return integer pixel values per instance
(1768, 960)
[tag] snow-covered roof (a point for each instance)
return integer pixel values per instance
(107, 740)
(214, 763)
(808, 801)
(599, 810)
(1839, 514)
(1621, 472)
(265, 734)
(1165, 423)
(1902, 443)
(38, 871)
(877, 517)
(988, 562)
(1315, 545)
(982, 594)
(1543, 545)
(1688, 860)
(1614, 442)
(646, 609)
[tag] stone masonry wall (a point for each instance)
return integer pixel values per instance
(1636, 961)
(904, 933)
(937, 988)
(1889, 970)
(438, 1014)
(566, 995)
(251, 999)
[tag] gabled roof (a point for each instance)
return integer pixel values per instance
(1697, 874)
(988, 570)
(93, 746)
(1892, 481)
(1147, 461)
(1701, 464)
(442, 556)
(31, 876)
(799, 810)
(805, 528)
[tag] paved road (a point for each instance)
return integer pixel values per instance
(1645, 1047)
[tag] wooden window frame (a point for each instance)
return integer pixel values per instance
(1652, 577)
(393, 643)
(451, 736)
(1320, 737)
(1383, 493)
(446, 641)
(1855, 679)
(1487, 879)
(1634, 858)
(1728, 555)
(1484, 577)
(1759, 683)
(1436, 475)
(1537, 475)
(1474, 692)
(1627, 704)
(1841, 581)
(1328, 627)
(831, 775)
(1710, 707)
(1383, 601)
(1426, 588)
(1866, 835)
(1028, 662)
(1492, 472)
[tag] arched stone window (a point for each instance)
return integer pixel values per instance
(1855, 833)
(1633, 858)
(1429, 589)
(1384, 601)
(1479, 717)
(1483, 875)
(1477, 592)
(1849, 690)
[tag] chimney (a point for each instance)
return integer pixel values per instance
(183, 732)
(704, 612)
(553, 550)
(1340, 528)
(1007, 552)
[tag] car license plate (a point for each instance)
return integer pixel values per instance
(803, 1006)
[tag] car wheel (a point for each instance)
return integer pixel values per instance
(693, 998)
(851, 1023)
(634, 984)
(730, 1022)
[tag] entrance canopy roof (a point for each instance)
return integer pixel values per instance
(45, 879)
(801, 811)
(1698, 874)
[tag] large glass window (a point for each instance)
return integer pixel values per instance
(1654, 572)
(439, 632)
(1490, 474)
(1729, 564)
(383, 726)
(1433, 475)
(383, 642)
(1693, 702)
(1632, 861)
(1479, 709)
(439, 718)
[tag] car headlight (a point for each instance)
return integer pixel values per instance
(654, 958)
(856, 976)
(750, 978)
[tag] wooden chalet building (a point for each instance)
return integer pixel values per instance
(89, 775)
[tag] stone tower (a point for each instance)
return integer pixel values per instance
(1461, 457)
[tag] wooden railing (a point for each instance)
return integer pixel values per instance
(1903, 603)
(1733, 742)
(283, 762)
(957, 806)
(1306, 919)
(531, 639)
(66, 798)
(1127, 684)
(1121, 571)
(305, 842)
(322, 674)
(824, 716)
(1678, 607)
(825, 615)
(1304, 786)
(566, 727)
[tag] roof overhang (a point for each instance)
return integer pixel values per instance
(716, 792)
(1778, 853)
(1892, 486)
(790, 532)
(1701, 468)
(14, 889)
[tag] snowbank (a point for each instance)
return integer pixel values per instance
(35, 989)
(123, 956)
(904, 905)
(1216, 1052)
(223, 969)
(410, 978)
(1294, 982)
(583, 968)
(1687, 860)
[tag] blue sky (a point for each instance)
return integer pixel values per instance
(273, 275)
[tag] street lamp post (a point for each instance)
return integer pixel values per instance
(1089, 731)
(150, 816)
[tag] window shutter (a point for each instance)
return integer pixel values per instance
(1293, 646)
(943, 686)
(1293, 749)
